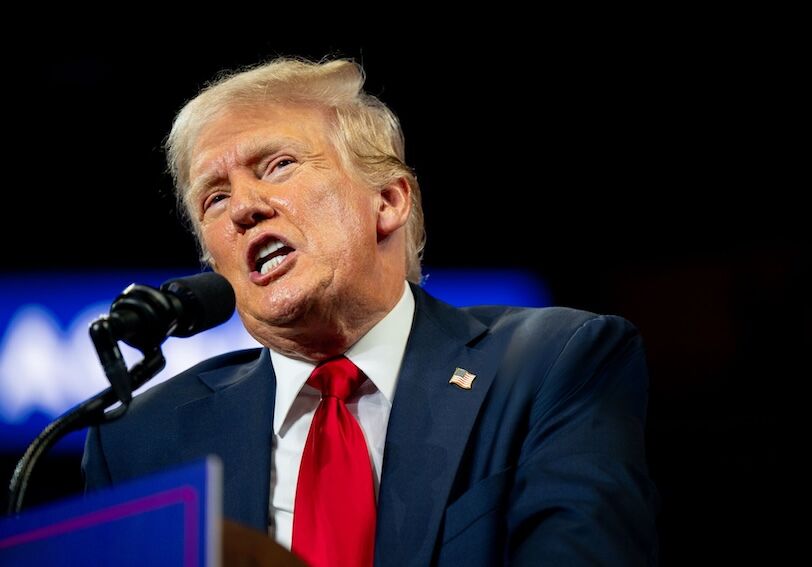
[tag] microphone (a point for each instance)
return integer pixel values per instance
(144, 317)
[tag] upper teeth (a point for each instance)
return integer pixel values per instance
(269, 248)
(265, 252)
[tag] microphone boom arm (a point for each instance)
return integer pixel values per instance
(91, 411)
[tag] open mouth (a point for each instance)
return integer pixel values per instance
(270, 255)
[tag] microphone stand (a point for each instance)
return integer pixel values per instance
(92, 411)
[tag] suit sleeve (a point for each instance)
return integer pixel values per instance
(94, 465)
(582, 495)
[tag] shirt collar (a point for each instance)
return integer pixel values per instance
(379, 354)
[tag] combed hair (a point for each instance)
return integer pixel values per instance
(366, 134)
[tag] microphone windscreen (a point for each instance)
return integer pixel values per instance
(207, 300)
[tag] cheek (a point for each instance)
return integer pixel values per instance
(347, 213)
(356, 241)
(346, 228)
(219, 243)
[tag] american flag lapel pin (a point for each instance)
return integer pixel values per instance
(462, 378)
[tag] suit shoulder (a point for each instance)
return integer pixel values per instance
(225, 360)
(551, 334)
(186, 384)
(557, 320)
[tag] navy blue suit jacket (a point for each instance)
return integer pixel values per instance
(541, 462)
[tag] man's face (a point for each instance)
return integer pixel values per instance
(283, 220)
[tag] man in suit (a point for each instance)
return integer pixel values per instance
(489, 435)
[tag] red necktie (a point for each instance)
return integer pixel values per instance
(334, 511)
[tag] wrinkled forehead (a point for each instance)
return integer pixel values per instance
(236, 123)
(238, 134)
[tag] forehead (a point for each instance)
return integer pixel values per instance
(237, 132)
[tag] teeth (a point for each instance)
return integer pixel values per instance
(271, 264)
(269, 248)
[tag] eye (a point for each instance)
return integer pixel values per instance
(213, 199)
(279, 164)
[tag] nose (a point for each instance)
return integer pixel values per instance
(248, 204)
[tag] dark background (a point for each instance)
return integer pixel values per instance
(653, 174)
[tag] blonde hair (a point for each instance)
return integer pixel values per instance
(366, 134)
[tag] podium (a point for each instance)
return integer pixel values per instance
(171, 518)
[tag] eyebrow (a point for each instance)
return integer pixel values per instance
(248, 153)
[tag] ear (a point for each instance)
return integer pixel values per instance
(394, 207)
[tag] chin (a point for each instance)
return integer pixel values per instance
(284, 305)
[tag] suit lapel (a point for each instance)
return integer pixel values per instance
(236, 422)
(428, 430)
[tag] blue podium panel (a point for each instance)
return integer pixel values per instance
(172, 518)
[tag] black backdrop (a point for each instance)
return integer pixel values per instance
(653, 176)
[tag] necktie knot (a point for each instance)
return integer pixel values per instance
(337, 378)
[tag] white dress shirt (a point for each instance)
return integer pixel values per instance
(379, 355)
